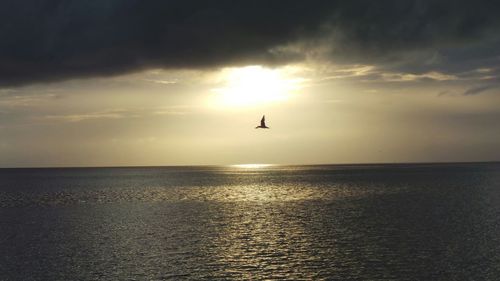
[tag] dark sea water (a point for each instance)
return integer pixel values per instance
(371, 222)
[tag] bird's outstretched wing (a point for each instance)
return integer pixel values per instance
(263, 121)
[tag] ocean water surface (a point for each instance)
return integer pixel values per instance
(330, 222)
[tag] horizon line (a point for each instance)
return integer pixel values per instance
(268, 164)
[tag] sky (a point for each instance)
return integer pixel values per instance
(133, 83)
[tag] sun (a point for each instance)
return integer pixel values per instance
(254, 85)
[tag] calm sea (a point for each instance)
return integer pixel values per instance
(360, 222)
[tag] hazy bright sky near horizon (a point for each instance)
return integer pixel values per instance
(108, 83)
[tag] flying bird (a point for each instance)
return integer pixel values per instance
(262, 123)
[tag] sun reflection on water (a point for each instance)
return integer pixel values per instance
(252, 166)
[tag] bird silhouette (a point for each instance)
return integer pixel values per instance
(262, 123)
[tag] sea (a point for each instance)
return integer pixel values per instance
(252, 222)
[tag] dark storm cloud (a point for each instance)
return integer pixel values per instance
(55, 40)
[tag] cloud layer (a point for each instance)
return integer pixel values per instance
(56, 40)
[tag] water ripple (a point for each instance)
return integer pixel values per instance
(292, 223)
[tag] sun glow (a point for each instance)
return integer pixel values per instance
(254, 85)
